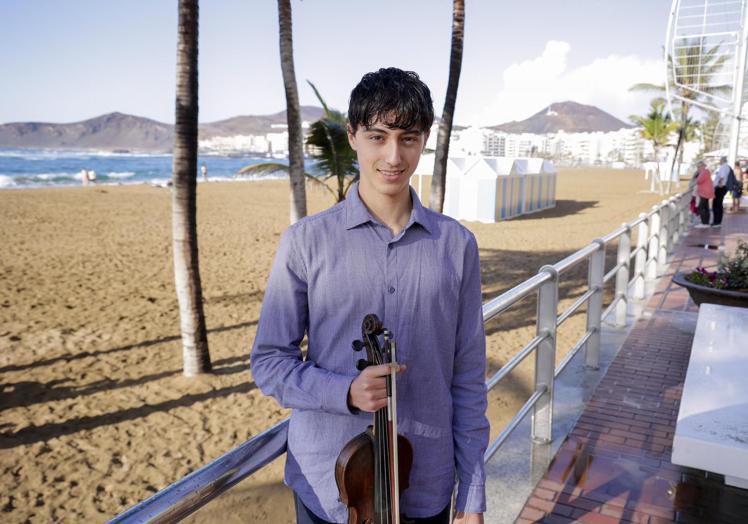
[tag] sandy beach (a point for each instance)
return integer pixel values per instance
(95, 414)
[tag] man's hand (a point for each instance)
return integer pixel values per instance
(468, 518)
(368, 391)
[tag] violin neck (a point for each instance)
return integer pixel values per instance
(386, 482)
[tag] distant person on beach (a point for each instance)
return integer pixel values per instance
(736, 190)
(204, 171)
(380, 251)
(705, 192)
(84, 177)
(720, 190)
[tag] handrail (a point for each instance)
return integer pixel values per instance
(521, 414)
(572, 308)
(575, 258)
(514, 361)
(190, 493)
(660, 230)
(507, 299)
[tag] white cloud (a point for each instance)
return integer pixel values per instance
(531, 85)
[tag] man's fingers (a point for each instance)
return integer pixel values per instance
(368, 391)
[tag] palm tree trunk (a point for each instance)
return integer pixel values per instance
(184, 210)
(439, 178)
(679, 143)
(293, 113)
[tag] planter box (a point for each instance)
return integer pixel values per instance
(708, 295)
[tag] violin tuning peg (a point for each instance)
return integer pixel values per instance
(362, 364)
(357, 345)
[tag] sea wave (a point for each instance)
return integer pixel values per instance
(55, 176)
(53, 154)
(124, 174)
(7, 181)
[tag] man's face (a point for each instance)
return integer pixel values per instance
(386, 157)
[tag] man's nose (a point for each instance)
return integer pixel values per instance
(393, 154)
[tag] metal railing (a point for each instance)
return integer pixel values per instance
(658, 232)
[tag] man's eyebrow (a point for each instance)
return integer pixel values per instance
(376, 129)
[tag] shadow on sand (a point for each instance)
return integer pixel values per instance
(33, 434)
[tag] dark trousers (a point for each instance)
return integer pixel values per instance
(704, 210)
(719, 196)
(305, 516)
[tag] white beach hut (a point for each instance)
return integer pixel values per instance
(539, 177)
(509, 187)
(489, 189)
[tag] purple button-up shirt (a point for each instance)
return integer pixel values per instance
(333, 268)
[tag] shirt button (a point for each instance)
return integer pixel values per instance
(391, 290)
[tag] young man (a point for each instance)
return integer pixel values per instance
(380, 251)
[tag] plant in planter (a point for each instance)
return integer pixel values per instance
(728, 285)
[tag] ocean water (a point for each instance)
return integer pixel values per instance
(23, 168)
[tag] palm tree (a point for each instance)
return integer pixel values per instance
(329, 147)
(184, 213)
(693, 70)
(293, 113)
(710, 133)
(656, 127)
(439, 178)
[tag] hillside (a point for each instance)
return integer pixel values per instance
(570, 117)
(118, 131)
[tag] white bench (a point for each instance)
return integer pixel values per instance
(712, 428)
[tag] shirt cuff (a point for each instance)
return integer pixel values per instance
(335, 395)
(471, 498)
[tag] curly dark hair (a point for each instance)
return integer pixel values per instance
(397, 98)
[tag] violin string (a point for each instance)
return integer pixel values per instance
(383, 443)
(380, 470)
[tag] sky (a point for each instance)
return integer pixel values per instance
(77, 59)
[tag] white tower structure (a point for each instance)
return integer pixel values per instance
(706, 46)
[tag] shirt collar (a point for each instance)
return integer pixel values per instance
(357, 214)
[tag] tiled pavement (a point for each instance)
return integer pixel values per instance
(615, 465)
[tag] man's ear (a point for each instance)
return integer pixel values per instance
(351, 136)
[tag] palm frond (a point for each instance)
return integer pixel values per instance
(647, 87)
(261, 169)
(319, 97)
(318, 183)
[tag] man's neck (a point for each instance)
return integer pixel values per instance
(391, 210)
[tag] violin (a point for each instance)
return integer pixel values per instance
(373, 468)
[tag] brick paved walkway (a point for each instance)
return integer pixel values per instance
(615, 465)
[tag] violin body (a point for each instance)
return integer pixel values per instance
(354, 474)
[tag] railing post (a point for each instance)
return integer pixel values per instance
(674, 228)
(545, 356)
(653, 250)
(664, 237)
(685, 214)
(641, 257)
(622, 276)
(595, 274)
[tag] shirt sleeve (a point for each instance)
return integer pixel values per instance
(276, 360)
(469, 395)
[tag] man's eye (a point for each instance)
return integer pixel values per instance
(409, 140)
(375, 138)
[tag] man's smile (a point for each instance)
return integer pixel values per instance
(391, 172)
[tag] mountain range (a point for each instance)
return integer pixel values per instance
(118, 131)
(571, 117)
